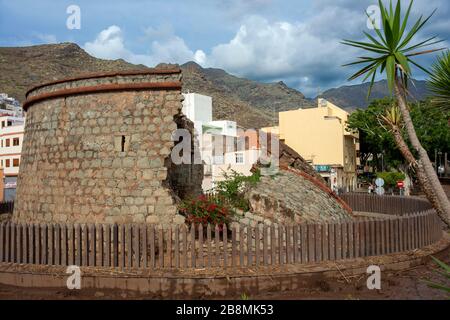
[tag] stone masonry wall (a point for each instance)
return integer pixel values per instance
(288, 197)
(99, 157)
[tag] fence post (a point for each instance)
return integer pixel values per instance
(71, 235)
(12, 242)
(2, 242)
(177, 248)
(107, 261)
(50, 243)
(344, 237)
(249, 246)
(273, 246)
(100, 246)
(200, 246)
(318, 241)
(257, 253)
(57, 244)
(129, 245)
(350, 240)
(161, 246)
(332, 241)
(184, 231)
(18, 243)
(115, 247)
(233, 247)
(281, 243)
(311, 243)
(145, 247)
(193, 250)
(338, 242)
(217, 243)
(91, 244)
(265, 245)
(44, 244)
(208, 245)
(356, 230)
(170, 245)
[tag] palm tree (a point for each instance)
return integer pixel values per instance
(439, 83)
(393, 53)
(392, 118)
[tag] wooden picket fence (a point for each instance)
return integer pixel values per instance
(180, 247)
(385, 204)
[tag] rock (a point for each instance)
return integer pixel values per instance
(290, 197)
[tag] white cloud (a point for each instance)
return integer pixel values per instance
(46, 38)
(283, 50)
(165, 47)
(109, 44)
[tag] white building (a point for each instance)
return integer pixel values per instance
(10, 106)
(218, 142)
(12, 124)
(11, 138)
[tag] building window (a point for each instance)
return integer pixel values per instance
(7, 163)
(3, 124)
(218, 159)
(7, 142)
(15, 162)
(2, 143)
(15, 141)
(239, 157)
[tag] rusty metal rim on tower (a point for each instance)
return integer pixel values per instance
(175, 85)
(148, 71)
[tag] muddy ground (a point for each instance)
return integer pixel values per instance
(407, 284)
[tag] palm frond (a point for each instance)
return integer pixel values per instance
(393, 51)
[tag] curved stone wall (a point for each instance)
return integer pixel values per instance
(291, 196)
(95, 147)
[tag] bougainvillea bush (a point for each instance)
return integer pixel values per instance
(206, 210)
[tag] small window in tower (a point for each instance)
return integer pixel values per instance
(15, 141)
(7, 142)
(123, 144)
(7, 164)
(15, 162)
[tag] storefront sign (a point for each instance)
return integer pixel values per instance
(320, 168)
(10, 185)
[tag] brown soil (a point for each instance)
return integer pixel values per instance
(407, 284)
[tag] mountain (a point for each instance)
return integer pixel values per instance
(24, 67)
(250, 103)
(353, 97)
(267, 96)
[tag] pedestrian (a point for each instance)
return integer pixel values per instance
(370, 189)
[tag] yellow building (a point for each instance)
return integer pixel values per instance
(320, 136)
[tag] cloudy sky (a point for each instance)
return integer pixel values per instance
(296, 41)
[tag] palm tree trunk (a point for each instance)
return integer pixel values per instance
(442, 203)
(426, 186)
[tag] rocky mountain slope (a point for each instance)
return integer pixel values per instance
(250, 103)
(353, 97)
(24, 67)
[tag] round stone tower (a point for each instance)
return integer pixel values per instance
(96, 147)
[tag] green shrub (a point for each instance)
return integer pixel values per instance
(233, 188)
(391, 178)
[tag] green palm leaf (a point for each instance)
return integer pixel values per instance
(393, 49)
(439, 83)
